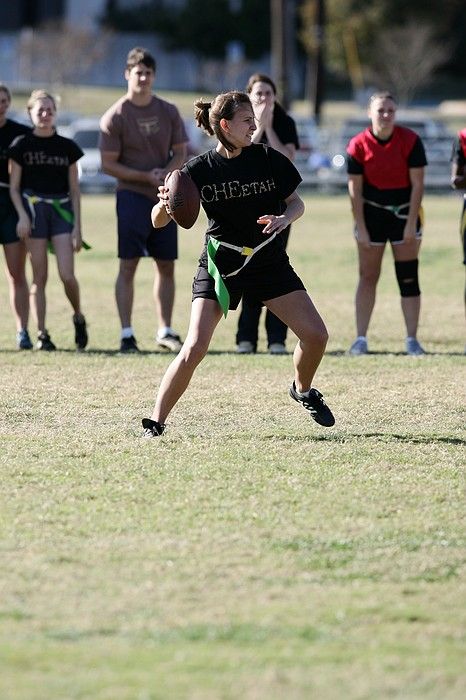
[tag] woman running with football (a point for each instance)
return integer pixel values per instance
(248, 192)
(386, 184)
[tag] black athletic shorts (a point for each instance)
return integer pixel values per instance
(263, 283)
(383, 225)
(463, 229)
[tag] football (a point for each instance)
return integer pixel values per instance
(183, 198)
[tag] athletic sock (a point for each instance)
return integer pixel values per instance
(127, 332)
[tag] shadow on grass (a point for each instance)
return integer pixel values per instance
(213, 353)
(384, 437)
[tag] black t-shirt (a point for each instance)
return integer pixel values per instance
(45, 162)
(235, 192)
(8, 132)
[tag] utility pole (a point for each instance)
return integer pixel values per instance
(319, 29)
(282, 18)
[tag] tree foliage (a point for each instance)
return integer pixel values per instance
(205, 27)
(375, 27)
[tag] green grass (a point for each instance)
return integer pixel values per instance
(249, 553)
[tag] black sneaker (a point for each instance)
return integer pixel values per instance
(44, 342)
(152, 429)
(80, 332)
(169, 341)
(128, 345)
(23, 341)
(313, 402)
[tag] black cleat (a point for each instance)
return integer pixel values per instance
(44, 342)
(128, 345)
(152, 429)
(313, 402)
(80, 332)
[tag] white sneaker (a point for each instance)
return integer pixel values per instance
(277, 349)
(359, 347)
(245, 347)
(413, 347)
(169, 341)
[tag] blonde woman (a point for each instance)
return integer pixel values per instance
(386, 184)
(44, 188)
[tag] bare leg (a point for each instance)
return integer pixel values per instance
(15, 257)
(300, 315)
(64, 253)
(370, 263)
(410, 306)
(205, 315)
(164, 290)
(124, 290)
(38, 250)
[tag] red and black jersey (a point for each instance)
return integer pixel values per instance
(462, 137)
(459, 150)
(385, 165)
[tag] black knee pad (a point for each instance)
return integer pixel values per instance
(407, 277)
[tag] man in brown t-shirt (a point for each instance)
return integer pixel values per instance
(142, 139)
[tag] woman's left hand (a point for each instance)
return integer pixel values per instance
(273, 224)
(409, 234)
(76, 239)
(263, 113)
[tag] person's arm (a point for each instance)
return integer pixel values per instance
(23, 227)
(294, 210)
(416, 175)
(178, 159)
(159, 214)
(458, 176)
(112, 166)
(75, 196)
(355, 188)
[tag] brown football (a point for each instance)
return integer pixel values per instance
(183, 197)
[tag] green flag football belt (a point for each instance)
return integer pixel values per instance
(392, 208)
(221, 290)
(56, 203)
(33, 199)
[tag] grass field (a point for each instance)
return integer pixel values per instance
(249, 554)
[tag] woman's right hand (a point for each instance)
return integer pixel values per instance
(160, 214)
(363, 238)
(23, 227)
(163, 196)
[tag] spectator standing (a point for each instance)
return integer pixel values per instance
(277, 129)
(386, 185)
(44, 188)
(142, 139)
(458, 182)
(14, 249)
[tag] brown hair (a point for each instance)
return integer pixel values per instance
(139, 55)
(381, 95)
(260, 78)
(3, 88)
(37, 95)
(224, 106)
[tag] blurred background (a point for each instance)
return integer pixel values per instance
(326, 57)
